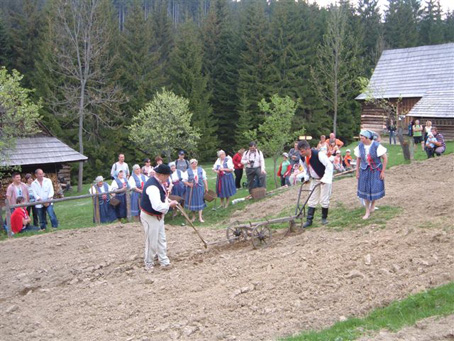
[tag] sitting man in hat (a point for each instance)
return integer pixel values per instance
(154, 205)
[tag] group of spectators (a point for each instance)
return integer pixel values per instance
(33, 190)
(428, 136)
(291, 170)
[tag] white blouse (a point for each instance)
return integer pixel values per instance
(220, 164)
(101, 189)
(114, 185)
(380, 150)
(132, 182)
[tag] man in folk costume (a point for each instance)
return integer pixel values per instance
(319, 170)
(154, 205)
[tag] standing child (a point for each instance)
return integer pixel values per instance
(284, 171)
(348, 160)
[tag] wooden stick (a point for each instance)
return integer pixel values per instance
(182, 211)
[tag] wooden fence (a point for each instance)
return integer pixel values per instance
(94, 197)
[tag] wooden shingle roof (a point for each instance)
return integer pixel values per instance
(438, 104)
(412, 72)
(38, 150)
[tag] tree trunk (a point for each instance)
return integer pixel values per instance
(404, 144)
(275, 176)
(81, 142)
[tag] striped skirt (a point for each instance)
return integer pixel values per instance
(225, 185)
(195, 202)
(370, 186)
(135, 200)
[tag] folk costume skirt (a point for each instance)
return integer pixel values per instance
(135, 200)
(195, 202)
(225, 185)
(106, 212)
(370, 186)
(120, 209)
(179, 189)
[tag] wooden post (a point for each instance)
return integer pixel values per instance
(8, 218)
(128, 205)
(96, 208)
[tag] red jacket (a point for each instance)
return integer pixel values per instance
(17, 217)
(237, 161)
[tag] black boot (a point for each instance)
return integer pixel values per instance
(310, 217)
(324, 215)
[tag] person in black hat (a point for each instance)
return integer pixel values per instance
(154, 205)
(181, 163)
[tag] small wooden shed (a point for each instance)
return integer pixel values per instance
(421, 80)
(44, 151)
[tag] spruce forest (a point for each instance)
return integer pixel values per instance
(223, 56)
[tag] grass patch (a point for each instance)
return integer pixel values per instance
(435, 302)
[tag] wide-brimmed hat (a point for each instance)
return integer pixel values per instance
(163, 169)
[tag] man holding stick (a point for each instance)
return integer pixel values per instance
(319, 170)
(154, 205)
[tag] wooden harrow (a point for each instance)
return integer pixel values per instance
(260, 232)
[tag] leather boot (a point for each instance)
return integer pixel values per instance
(324, 215)
(310, 217)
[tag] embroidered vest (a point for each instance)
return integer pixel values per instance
(100, 194)
(145, 203)
(121, 186)
(375, 161)
(199, 174)
(137, 180)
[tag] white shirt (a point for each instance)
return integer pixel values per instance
(256, 156)
(43, 191)
(101, 189)
(221, 163)
(380, 150)
(309, 171)
(155, 200)
(132, 182)
(116, 167)
(114, 185)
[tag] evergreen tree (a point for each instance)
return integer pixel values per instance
(372, 33)
(136, 60)
(220, 65)
(431, 25)
(401, 23)
(26, 23)
(188, 81)
(5, 50)
(253, 65)
(448, 26)
(162, 31)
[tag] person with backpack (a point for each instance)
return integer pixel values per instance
(181, 163)
(255, 166)
(118, 166)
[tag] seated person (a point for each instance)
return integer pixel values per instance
(20, 220)
(439, 145)
(347, 160)
(337, 163)
(297, 175)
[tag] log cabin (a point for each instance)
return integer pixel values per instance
(42, 150)
(419, 81)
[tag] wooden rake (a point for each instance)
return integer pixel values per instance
(183, 213)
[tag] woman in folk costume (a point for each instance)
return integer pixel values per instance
(136, 182)
(225, 183)
(177, 177)
(197, 186)
(120, 183)
(370, 170)
(106, 211)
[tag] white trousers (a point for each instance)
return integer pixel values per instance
(321, 195)
(155, 239)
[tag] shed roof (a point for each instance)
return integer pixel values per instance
(39, 150)
(412, 72)
(438, 104)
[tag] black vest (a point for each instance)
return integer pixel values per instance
(145, 203)
(316, 165)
